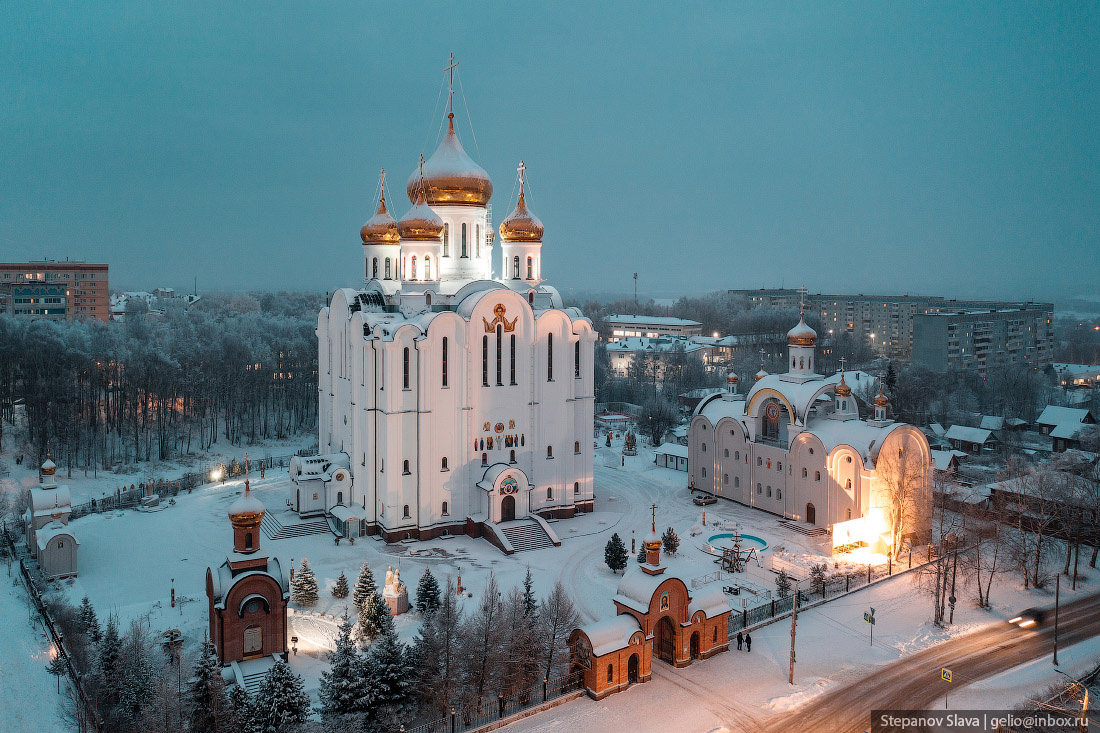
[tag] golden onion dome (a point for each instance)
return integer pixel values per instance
(842, 389)
(420, 222)
(880, 399)
(452, 177)
(731, 378)
(802, 334)
(760, 374)
(246, 512)
(380, 228)
(49, 468)
(521, 225)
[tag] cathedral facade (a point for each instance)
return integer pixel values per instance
(796, 445)
(455, 389)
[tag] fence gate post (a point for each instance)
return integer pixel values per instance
(745, 618)
(773, 607)
(847, 578)
(868, 573)
(452, 719)
(501, 697)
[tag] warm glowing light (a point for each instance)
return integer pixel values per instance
(1029, 622)
(1015, 620)
(216, 474)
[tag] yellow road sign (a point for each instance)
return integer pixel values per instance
(945, 674)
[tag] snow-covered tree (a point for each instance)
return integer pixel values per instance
(343, 687)
(557, 619)
(614, 554)
(208, 709)
(481, 666)
(340, 589)
(820, 575)
(427, 593)
(518, 643)
(375, 619)
(671, 541)
(435, 653)
(244, 711)
(391, 678)
(89, 622)
(108, 665)
(281, 700)
(530, 600)
(303, 589)
(783, 584)
(136, 677)
(365, 587)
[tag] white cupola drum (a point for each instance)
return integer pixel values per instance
(521, 241)
(421, 231)
(801, 341)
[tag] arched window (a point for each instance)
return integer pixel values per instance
(779, 493)
(736, 482)
(412, 271)
(577, 360)
(610, 674)
(576, 487)
(549, 357)
(759, 488)
(769, 492)
(530, 269)
(703, 447)
(247, 541)
(779, 465)
(549, 493)
(428, 298)
(484, 361)
(485, 459)
(340, 497)
(405, 468)
(446, 509)
(737, 455)
(444, 467)
(759, 461)
(406, 514)
(576, 446)
(500, 346)
(477, 240)
(549, 451)
(704, 473)
(817, 475)
(446, 240)
(444, 358)
(387, 268)
(464, 241)
(513, 351)
(848, 485)
(804, 473)
(515, 267)
(512, 456)
(531, 297)
(427, 268)
(725, 478)
(848, 513)
(405, 368)
(726, 453)
(714, 636)
(374, 269)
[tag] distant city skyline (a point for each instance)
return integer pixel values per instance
(857, 148)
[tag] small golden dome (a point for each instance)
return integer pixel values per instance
(246, 512)
(802, 334)
(760, 375)
(842, 389)
(380, 228)
(420, 223)
(49, 468)
(521, 225)
(731, 378)
(451, 177)
(880, 399)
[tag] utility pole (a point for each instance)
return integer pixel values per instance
(794, 625)
(954, 571)
(635, 293)
(1057, 593)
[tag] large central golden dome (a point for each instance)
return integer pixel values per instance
(451, 177)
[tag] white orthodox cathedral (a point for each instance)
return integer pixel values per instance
(795, 445)
(455, 390)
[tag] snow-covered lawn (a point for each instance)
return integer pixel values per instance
(28, 693)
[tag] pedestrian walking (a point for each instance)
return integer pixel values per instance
(748, 642)
(740, 640)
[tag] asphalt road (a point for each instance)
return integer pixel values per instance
(914, 683)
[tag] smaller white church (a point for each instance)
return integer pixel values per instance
(46, 526)
(796, 446)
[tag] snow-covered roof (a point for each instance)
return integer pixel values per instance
(992, 422)
(803, 394)
(937, 429)
(710, 600)
(864, 437)
(1066, 431)
(344, 513)
(646, 320)
(305, 468)
(661, 344)
(673, 449)
(52, 530)
(1055, 415)
(610, 634)
(943, 458)
(246, 503)
(50, 501)
(223, 578)
(968, 434)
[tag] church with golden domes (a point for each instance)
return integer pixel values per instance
(455, 388)
(795, 445)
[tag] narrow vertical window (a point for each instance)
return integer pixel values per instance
(444, 361)
(477, 240)
(577, 363)
(374, 272)
(515, 267)
(387, 268)
(412, 275)
(446, 240)
(464, 240)
(427, 268)
(513, 358)
(530, 269)
(405, 368)
(500, 363)
(550, 357)
(485, 361)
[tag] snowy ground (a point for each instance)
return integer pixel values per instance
(130, 560)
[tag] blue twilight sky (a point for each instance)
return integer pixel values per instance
(944, 148)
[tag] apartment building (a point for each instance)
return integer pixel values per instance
(33, 289)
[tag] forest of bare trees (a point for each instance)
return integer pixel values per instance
(236, 368)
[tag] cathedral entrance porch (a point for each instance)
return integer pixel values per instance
(666, 640)
(507, 508)
(632, 669)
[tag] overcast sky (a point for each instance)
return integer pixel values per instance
(944, 148)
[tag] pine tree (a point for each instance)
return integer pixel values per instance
(435, 653)
(427, 594)
(343, 687)
(819, 573)
(89, 622)
(303, 589)
(108, 667)
(244, 711)
(671, 541)
(614, 554)
(207, 701)
(891, 379)
(530, 601)
(340, 590)
(281, 699)
(364, 589)
(390, 682)
(375, 620)
(783, 584)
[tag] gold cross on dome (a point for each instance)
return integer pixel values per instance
(451, 93)
(653, 512)
(843, 361)
(382, 183)
(522, 168)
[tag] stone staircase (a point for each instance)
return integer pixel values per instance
(804, 528)
(526, 534)
(273, 529)
(253, 680)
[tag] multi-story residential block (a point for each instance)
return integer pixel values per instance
(980, 339)
(85, 289)
(650, 327)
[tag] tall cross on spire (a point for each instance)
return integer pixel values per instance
(653, 518)
(762, 353)
(246, 473)
(451, 94)
(522, 168)
(843, 361)
(382, 184)
(802, 299)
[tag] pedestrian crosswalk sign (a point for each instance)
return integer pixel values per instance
(945, 673)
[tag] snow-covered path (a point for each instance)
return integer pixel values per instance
(28, 693)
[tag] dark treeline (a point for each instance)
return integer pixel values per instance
(238, 368)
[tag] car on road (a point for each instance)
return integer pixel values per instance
(1028, 618)
(704, 500)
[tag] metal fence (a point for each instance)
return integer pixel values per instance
(494, 708)
(125, 498)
